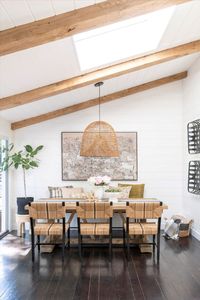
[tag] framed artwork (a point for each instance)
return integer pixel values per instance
(76, 167)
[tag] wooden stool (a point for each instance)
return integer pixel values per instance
(21, 220)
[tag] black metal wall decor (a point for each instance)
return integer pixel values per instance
(194, 177)
(193, 129)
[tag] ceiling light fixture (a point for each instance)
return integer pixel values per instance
(99, 138)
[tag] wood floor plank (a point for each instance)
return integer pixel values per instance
(176, 278)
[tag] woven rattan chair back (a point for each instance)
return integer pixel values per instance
(55, 210)
(46, 210)
(38, 210)
(103, 210)
(85, 210)
(144, 210)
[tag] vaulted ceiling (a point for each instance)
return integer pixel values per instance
(55, 61)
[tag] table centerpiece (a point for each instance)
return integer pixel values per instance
(99, 182)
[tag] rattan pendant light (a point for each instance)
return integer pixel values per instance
(99, 138)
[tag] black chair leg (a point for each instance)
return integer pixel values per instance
(158, 247)
(110, 247)
(80, 245)
(128, 246)
(154, 243)
(63, 247)
(38, 243)
(33, 247)
(124, 241)
(68, 238)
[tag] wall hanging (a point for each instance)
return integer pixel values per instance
(76, 167)
(193, 129)
(194, 177)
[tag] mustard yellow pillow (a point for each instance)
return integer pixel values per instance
(137, 190)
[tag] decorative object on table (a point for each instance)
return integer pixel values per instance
(99, 182)
(112, 193)
(99, 138)
(193, 129)
(115, 193)
(56, 191)
(194, 177)
(76, 167)
(25, 159)
(136, 191)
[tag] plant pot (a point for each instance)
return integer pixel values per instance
(21, 203)
(112, 196)
(99, 192)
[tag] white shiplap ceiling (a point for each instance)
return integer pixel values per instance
(55, 61)
(17, 12)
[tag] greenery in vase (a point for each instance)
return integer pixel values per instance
(113, 190)
(25, 159)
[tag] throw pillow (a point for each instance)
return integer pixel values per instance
(125, 191)
(137, 190)
(56, 191)
(72, 192)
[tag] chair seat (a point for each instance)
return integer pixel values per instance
(87, 229)
(142, 228)
(57, 229)
(94, 229)
(102, 229)
(42, 229)
(49, 229)
(149, 228)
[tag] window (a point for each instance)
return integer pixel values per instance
(3, 195)
(121, 40)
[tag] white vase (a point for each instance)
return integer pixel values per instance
(113, 196)
(99, 192)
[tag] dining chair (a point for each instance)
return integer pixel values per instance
(94, 219)
(143, 219)
(52, 216)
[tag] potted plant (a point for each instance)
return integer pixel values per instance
(113, 193)
(25, 159)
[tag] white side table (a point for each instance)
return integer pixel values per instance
(21, 220)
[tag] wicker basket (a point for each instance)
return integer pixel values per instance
(184, 229)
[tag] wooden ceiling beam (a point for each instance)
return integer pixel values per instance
(93, 102)
(101, 74)
(73, 22)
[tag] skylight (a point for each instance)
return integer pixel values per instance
(121, 40)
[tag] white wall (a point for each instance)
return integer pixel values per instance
(191, 112)
(157, 117)
(6, 132)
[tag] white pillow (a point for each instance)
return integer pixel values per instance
(72, 192)
(125, 191)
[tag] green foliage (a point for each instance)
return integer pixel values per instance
(113, 190)
(25, 158)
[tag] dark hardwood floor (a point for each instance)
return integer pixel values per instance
(176, 278)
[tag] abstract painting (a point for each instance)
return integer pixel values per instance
(76, 167)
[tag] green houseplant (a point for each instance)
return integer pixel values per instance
(25, 159)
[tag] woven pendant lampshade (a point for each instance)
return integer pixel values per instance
(99, 138)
